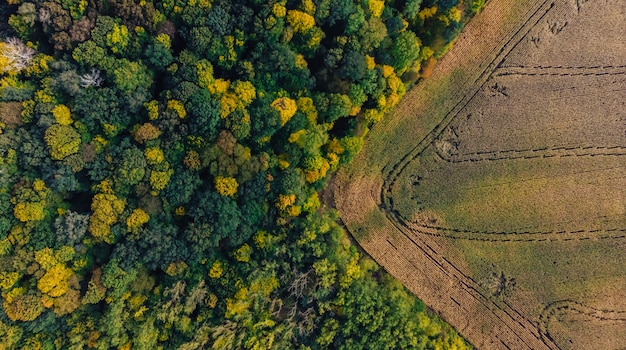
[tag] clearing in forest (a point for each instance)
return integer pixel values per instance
(497, 190)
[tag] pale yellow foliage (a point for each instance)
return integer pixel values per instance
(204, 71)
(376, 7)
(455, 14)
(387, 70)
(283, 164)
(219, 86)
(285, 201)
(369, 62)
(245, 91)
(154, 155)
(226, 186)
(427, 12)
(177, 107)
(29, 211)
(353, 271)
(354, 111)
(243, 253)
(279, 10)
(301, 62)
(45, 258)
(228, 104)
(137, 219)
(160, 179)
(217, 269)
(286, 107)
(308, 6)
(300, 21)
(373, 115)
(8, 279)
(165, 40)
(295, 137)
(153, 109)
(63, 140)
(106, 209)
(335, 146)
(312, 203)
(55, 282)
(62, 115)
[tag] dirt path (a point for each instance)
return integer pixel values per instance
(426, 264)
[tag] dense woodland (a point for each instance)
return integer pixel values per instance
(161, 163)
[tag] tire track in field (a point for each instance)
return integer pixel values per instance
(530, 153)
(553, 309)
(561, 71)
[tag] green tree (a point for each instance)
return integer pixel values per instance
(129, 76)
(221, 213)
(405, 50)
(131, 167)
(204, 113)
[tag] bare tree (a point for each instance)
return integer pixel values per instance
(196, 297)
(306, 324)
(299, 284)
(17, 53)
(276, 307)
(71, 228)
(44, 15)
(91, 79)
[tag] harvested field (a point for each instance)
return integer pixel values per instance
(497, 190)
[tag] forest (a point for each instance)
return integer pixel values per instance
(161, 163)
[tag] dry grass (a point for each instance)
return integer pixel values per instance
(503, 204)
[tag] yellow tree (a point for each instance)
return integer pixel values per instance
(245, 91)
(62, 115)
(178, 107)
(30, 203)
(286, 107)
(55, 282)
(21, 306)
(137, 219)
(106, 207)
(154, 155)
(63, 140)
(316, 168)
(204, 71)
(300, 21)
(29, 211)
(160, 179)
(376, 7)
(226, 186)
